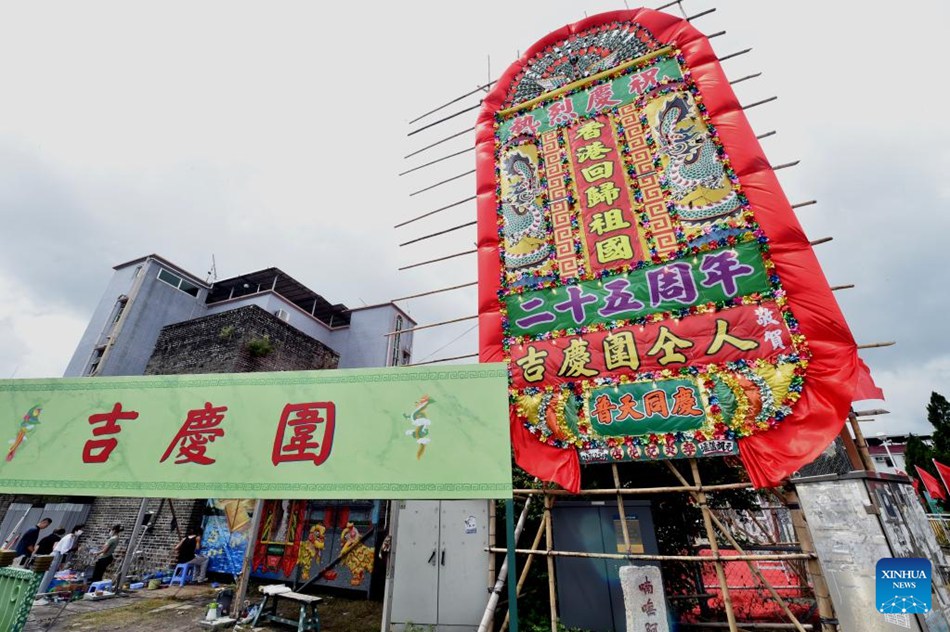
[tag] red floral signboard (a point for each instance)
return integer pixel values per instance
(640, 270)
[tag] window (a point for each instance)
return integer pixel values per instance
(394, 357)
(177, 282)
(119, 308)
(95, 359)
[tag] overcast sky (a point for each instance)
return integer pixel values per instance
(271, 134)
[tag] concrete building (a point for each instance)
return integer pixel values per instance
(156, 318)
(147, 294)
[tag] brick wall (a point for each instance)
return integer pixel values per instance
(157, 544)
(222, 343)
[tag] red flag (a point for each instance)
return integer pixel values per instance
(916, 485)
(943, 471)
(546, 462)
(932, 485)
(866, 388)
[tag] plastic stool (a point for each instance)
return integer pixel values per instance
(184, 573)
(104, 585)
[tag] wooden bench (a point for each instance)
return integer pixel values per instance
(307, 621)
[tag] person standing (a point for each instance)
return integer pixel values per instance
(187, 551)
(60, 552)
(45, 545)
(105, 554)
(27, 544)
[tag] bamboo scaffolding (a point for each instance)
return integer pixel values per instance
(549, 542)
(438, 210)
(430, 326)
(453, 256)
(431, 292)
(861, 443)
(623, 514)
(731, 55)
(746, 78)
(634, 491)
(443, 120)
(701, 499)
(762, 102)
(527, 567)
(637, 557)
(713, 543)
(439, 142)
(826, 609)
(701, 14)
(437, 161)
(877, 345)
(437, 234)
(438, 184)
(785, 165)
(455, 100)
(765, 135)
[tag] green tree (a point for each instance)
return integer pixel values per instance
(938, 414)
(918, 454)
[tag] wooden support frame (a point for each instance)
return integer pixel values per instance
(717, 530)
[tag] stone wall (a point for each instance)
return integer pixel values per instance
(247, 339)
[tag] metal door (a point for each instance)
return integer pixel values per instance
(589, 594)
(463, 563)
(416, 558)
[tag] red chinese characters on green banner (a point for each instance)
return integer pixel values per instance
(640, 271)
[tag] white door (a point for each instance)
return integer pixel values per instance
(463, 563)
(416, 571)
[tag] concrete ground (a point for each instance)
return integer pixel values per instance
(180, 609)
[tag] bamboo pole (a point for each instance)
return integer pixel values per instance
(549, 542)
(244, 578)
(637, 557)
(713, 545)
(634, 492)
(877, 345)
(514, 532)
(860, 442)
(623, 514)
(524, 571)
(826, 608)
(755, 571)
(437, 260)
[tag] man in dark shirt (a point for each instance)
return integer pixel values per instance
(45, 545)
(27, 544)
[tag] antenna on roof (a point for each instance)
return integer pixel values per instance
(213, 272)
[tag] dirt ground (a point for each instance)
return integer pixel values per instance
(178, 610)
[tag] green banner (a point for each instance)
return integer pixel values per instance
(642, 408)
(399, 433)
(712, 277)
(603, 95)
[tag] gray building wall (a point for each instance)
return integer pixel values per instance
(365, 343)
(151, 304)
(271, 302)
